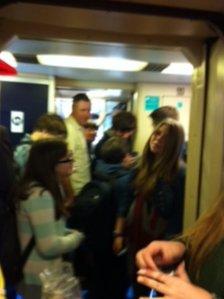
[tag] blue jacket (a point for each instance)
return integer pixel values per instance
(122, 184)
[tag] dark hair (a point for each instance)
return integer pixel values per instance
(162, 113)
(90, 125)
(52, 124)
(40, 168)
(114, 150)
(80, 97)
(124, 121)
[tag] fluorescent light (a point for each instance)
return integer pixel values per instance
(8, 58)
(88, 62)
(103, 93)
(179, 69)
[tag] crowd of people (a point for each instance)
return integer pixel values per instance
(52, 166)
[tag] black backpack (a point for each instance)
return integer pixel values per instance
(93, 213)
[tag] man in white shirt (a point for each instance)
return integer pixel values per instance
(77, 142)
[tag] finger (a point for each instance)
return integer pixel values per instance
(159, 276)
(145, 261)
(181, 272)
(153, 284)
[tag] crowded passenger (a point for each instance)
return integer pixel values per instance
(124, 126)
(77, 142)
(7, 182)
(110, 263)
(158, 207)
(48, 125)
(7, 176)
(201, 247)
(163, 112)
(110, 167)
(90, 132)
(41, 211)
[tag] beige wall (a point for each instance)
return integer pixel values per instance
(213, 147)
(193, 177)
(205, 166)
(168, 96)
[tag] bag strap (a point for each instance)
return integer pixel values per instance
(27, 251)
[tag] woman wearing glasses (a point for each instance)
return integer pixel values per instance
(42, 210)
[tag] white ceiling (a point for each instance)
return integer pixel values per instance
(159, 38)
(30, 48)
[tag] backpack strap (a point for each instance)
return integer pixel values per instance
(27, 251)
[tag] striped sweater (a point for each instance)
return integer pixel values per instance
(36, 216)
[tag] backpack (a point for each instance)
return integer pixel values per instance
(93, 213)
(11, 257)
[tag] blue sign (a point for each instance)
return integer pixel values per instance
(179, 104)
(151, 103)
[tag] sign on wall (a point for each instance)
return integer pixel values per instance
(17, 121)
(151, 103)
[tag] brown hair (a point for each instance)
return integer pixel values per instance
(40, 168)
(124, 121)
(164, 167)
(114, 150)
(52, 124)
(162, 113)
(205, 235)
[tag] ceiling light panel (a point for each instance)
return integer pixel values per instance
(88, 62)
(179, 69)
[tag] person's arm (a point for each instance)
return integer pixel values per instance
(160, 253)
(118, 236)
(123, 198)
(172, 287)
(48, 241)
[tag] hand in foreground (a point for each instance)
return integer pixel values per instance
(172, 287)
(160, 253)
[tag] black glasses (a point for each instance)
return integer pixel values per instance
(69, 160)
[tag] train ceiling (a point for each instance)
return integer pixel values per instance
(159, 32)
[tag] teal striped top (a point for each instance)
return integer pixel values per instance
(36, 216)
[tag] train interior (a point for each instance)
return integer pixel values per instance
(157, 33)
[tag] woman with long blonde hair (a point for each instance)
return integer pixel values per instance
(158, 207)
(203, 249)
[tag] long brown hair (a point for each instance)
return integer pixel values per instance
(205, 235)
(164, 167)
(40, 168)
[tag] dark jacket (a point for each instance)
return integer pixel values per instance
(6, 168)
(160, 216)
(121, 180)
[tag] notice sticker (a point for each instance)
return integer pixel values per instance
(17, 122)
(151, 103)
